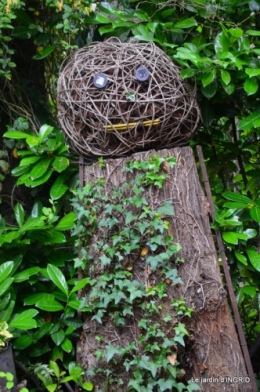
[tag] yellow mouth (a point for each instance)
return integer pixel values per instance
(123, 127)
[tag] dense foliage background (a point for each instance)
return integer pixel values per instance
(217, 44)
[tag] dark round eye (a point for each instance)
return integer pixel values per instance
(100, 80)
(142, 74)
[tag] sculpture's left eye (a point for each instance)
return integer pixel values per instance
(100, 80)
(142, 74)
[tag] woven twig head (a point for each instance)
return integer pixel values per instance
(115, 98)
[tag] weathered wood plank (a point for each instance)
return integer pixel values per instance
(212, 350)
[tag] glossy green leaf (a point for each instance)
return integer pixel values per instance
(50, 306)
(67, 222)
(10, 237)
(32, 140)
(5, 270)
(221, 44)
(58, 189)
(253, 32)
(232, 237)
(33, 298)
(249, 290)
(251, 85)
(210, 90)
(252, 72)
(19, 170)
(58, 278)
(60, 164)
(23, 342)
(6, 313)
(19, 214)
(208, 78)
(15, 135)
(234, 205)
(186, 23)
(58, 337)
(32, 224)
(44, 53)
(25, 274)
(237, 197)
(251, 233)
(5, 300)
(25, 320)
(37, 209)
(87, 386)
(45, 131)
(67, 345)
(53, 365)
(79, 285)
(241, 257)
(253, 120)
(41, 180)
(235, 32)
(29, 160)
(254, 258)
(43, 330)
(187, 73)
(40, 168)
(4, 286)
(225, 76)
(255, 213)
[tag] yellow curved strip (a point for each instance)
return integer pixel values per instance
(123, 127)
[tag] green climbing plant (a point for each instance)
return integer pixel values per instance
(129, 229)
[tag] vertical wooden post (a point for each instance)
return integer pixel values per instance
(212, 355)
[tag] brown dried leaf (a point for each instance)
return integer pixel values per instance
(172, 359)
(149, 271)
(202, 367)
(144, 252)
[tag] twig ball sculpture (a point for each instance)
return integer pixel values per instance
(117, 98)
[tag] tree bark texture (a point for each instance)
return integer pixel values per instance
(212, 352)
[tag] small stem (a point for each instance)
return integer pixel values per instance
(239, 159)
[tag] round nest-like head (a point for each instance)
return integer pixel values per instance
(116, 98)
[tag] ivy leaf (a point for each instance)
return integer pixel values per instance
(166, 208)
(105, 260)
(67, 345)
(111, 351)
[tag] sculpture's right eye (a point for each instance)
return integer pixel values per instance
(100, 80)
